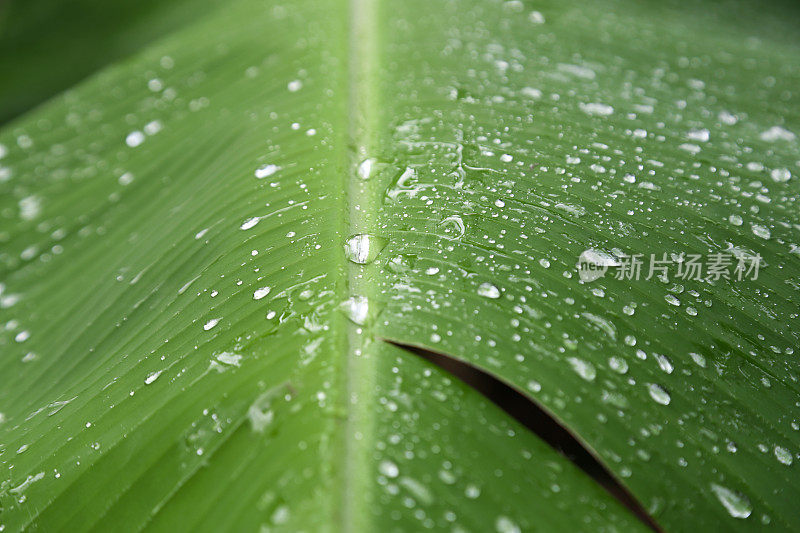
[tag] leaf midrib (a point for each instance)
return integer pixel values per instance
(359, 218)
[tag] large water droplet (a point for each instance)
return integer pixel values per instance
(357, 309)
(366, 168)
(504, 524)
(453, 227)
(388, 469)
(265, 171)
(260, 293)
(761, 231)
(783, 455)
(659, 394)
(583, 368)
(363, 248)
(488, 290)
(736, 503)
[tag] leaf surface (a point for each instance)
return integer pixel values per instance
(198, 274)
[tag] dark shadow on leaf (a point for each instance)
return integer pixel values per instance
(533, 416)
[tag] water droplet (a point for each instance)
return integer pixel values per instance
(265, 171)
(211, 323)
(618, 364)
(736, 503)
(134, 139)
(777, 133)
(698, 359)
(260, 293)
(260, 412)
(659, 394)
(781, 175)
(664, 363)
(503, 524)
(783, 455)
(761, 231)
(151, 128)
(294, 86)
(583, 368)
(388, 469)
(363, 248)
(365, 168)
(229, 358)
(249, 223)
(487, 290)
(357, 309)
(453, 227)
(472, 491)
(672, 300)
(595, 108)
(699, 135)
(736, 220)
(151, 377)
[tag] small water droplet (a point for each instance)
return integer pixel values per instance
(472, 491)
(211, 323)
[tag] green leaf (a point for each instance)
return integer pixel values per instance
(205, 247)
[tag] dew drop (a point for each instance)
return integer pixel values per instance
(249, 223)
(363, 248)
(365, 168)
(357, 309)
(781, 175)
(659, 394)
(211, 323)
(388, 469)
(618, 364)
(134, 139)
(260, 293)
(783, 455)
(503, 524)
(265, 171)
(487, 290)
(761, 231)
(583, 368)
(736, 503)
(151, 377)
